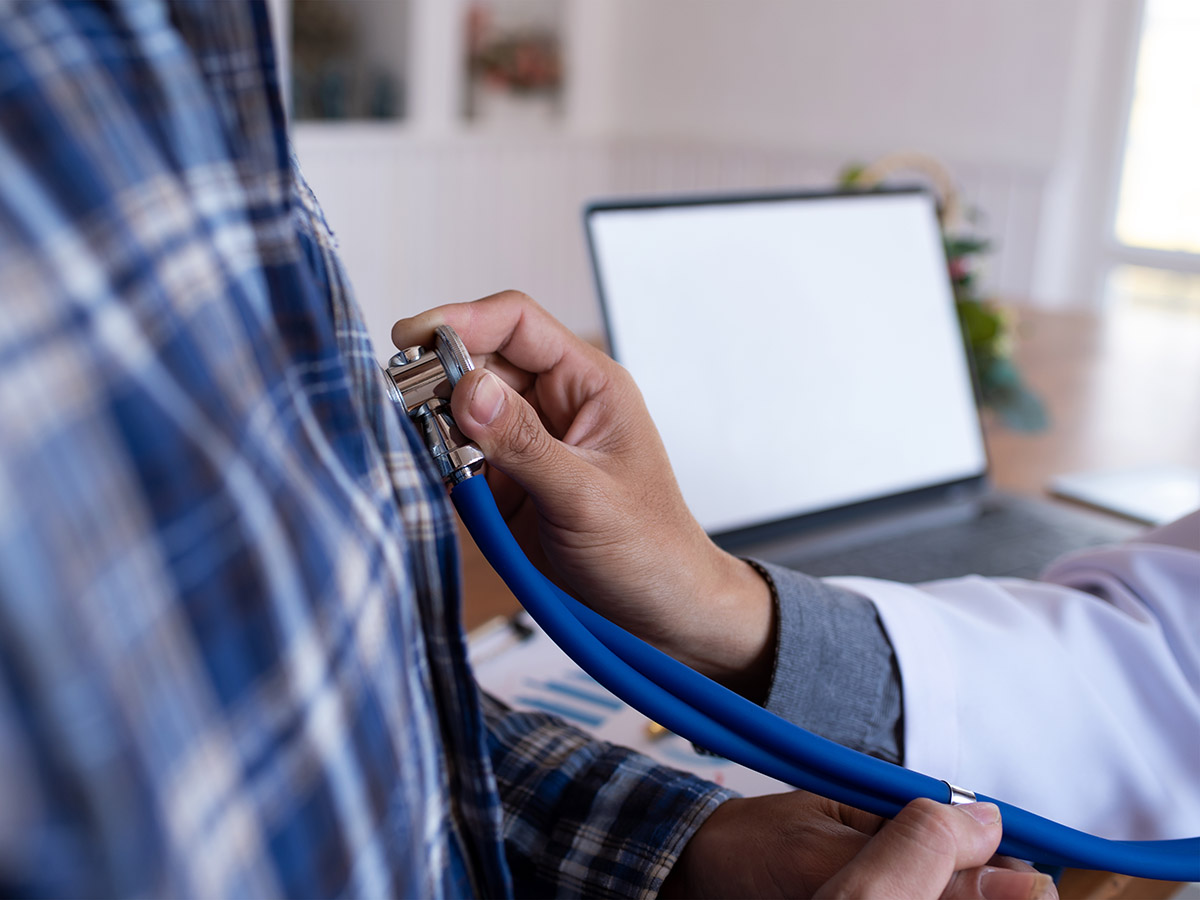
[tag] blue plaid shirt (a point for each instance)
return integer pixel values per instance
(230, 654)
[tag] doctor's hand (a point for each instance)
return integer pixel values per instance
(801, 845)
(581, 475)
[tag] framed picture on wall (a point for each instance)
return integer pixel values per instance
(514, 60)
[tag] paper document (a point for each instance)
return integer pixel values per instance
(516, 662)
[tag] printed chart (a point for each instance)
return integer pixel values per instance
(516, 662)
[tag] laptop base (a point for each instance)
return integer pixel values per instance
(1006, 536)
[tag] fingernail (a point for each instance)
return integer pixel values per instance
(983, 813)
(487, 399)
(1006, 884)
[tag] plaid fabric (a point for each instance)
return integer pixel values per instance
(230, 657)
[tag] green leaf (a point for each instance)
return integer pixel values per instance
(965, 246)
(849, 176)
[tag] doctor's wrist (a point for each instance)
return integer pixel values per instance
(731, 634)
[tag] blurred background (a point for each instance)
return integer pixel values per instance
(453, 142)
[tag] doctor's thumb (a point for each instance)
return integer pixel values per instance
(509, 432)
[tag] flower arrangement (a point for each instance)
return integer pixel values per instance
(987, 328)
(525, 61)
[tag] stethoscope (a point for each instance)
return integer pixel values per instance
(691, 705)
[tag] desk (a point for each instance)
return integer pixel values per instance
(1120, 391)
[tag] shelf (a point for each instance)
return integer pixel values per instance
(349, 59)
(437, 66)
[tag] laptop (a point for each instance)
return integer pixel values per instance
(802, 358)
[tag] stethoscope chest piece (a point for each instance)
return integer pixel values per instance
(421, 379)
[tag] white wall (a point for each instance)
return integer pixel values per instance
(1080, 198)
(681, 95)
(1028, 93)
(975, 82)
(426, 221)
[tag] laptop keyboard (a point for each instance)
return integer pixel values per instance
(1012, 541)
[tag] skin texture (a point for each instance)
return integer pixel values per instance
(581, 475)
(582, 478)
(800, 845)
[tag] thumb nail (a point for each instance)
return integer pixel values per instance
(487, 399)
(983, 813)
(1006, 884)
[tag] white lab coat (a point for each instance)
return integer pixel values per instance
(1076, 696)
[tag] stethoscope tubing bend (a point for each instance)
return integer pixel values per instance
(726, 723)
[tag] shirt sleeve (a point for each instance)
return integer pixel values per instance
(835, 671)
(24, 814)
(586, 818)
(1076, 696)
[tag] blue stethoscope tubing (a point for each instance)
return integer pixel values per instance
(724, 722)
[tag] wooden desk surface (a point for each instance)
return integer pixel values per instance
(1121, 390)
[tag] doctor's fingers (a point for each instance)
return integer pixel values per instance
(1000, 883)
(932, 850)
(578, 391)
(514, 438)
(510, 324)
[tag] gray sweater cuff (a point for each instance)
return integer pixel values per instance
(835, 671)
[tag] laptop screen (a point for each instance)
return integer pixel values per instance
(797, 353)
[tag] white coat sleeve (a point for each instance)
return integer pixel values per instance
(1076, 696)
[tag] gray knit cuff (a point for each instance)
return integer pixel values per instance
(835, 671)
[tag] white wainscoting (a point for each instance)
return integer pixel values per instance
(424, 220)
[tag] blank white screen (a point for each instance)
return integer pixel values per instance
(796, 355)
